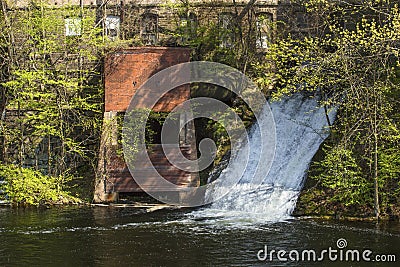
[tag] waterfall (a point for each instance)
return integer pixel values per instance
(301, 127)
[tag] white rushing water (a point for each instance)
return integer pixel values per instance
(301, 127)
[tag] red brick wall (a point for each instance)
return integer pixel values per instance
(125, 71)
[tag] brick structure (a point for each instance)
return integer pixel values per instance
(125, 72)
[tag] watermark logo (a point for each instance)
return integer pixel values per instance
(136, 151)
(341, 243)
(338, 253)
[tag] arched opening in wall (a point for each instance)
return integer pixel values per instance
(263, 30)
(73, 26)
(149, 29)
(227, 29)
(112, 26)
(187, 27)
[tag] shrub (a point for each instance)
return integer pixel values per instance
(28, 187)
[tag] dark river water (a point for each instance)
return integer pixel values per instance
(101, 236)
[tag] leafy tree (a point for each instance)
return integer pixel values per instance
(52, 89)
(352, 60)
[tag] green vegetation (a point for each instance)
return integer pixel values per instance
(27, 187)
(352, 60)
(52, 91)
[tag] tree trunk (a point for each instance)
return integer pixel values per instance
(9, 39)
(376, 184)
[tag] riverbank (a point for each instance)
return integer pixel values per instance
(317, 202)
(154, 207)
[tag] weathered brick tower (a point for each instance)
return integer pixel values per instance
(125, 72)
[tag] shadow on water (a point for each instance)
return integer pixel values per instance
(101, 236)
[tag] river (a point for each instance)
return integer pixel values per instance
(103, 236)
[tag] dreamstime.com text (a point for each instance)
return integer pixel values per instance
(338, 253)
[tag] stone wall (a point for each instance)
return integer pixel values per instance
(130, 15)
